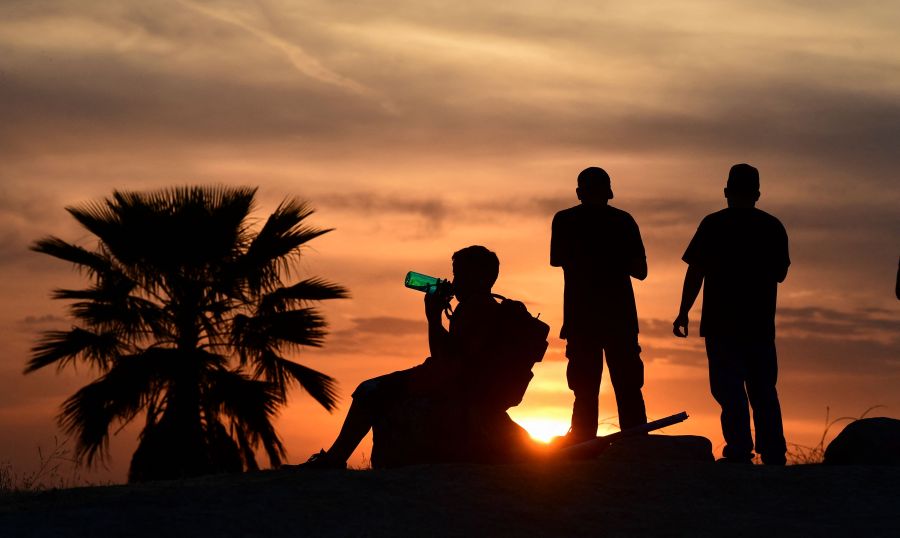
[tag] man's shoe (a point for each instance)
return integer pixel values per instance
(319, 460)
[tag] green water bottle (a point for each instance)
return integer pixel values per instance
(425, 283)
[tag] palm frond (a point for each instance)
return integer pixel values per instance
(247, 453)
(118, 396)
(312, 289)
(168, 228)
(301, 327)
(86, 416)
(109, 306)
(291, 328)
(267, 365)
(280, 237)
(321, 387)
(246, 337)
(282, 372)
(100, 219)
(83, 258)
(251, 405)
(63, 347)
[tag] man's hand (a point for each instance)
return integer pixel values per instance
(438, 337)
(693, 281)
(434, 306)
(680, 327)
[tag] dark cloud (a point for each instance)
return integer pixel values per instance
(370, 203)
(381, 336)
(436, 208)
(828, 322)
(849, 356)
(388, 325)
(46, 319)
(870, 220)
(804, 355)
(812, 340)
(24, 217)
(123, 106)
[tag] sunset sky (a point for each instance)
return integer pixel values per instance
(416, 128)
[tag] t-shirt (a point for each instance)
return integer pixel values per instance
(457, 373)
(596, 247)
(742, 253)
(472, 329)
(472, 340)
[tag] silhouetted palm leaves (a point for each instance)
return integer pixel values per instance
(188, 320)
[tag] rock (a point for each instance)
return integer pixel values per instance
(868, 441)
(643, 448)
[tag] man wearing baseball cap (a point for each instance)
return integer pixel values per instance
(739, 255)
(600, 250)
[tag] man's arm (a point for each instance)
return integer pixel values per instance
(438, 337)
(557, 248)
(638, 268)
(693, 281)
(781, 273)
(784, 259)
(637, 265)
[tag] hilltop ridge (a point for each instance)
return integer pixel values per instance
(567, 499)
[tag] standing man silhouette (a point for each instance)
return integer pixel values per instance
(599, 248)
(739, 255)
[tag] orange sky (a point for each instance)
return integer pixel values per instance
(429, 126)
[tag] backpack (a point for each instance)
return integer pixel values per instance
(521, 342)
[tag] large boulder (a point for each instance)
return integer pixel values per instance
(868, 441)
(663, 448)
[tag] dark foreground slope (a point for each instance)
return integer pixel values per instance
(602, 498)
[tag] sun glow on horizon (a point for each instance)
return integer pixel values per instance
(543, 429)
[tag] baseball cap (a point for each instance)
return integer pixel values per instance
(743, 178)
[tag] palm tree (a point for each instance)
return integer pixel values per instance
(187, 320)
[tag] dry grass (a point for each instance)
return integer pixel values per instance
(57, 469)
(805, 455)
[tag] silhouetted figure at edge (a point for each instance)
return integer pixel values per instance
(599, 248)
(450, 401)
(739, 255)
(897, 285)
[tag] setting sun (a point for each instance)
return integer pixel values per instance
(543, 429)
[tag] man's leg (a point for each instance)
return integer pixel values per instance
(626, 371)
(583, 375)
(726, 380)
(357, 423)
(369, 399)
(762, 374)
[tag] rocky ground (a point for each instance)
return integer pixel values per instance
(596, 498)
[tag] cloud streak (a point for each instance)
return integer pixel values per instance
(641, 87)
(302, 61)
